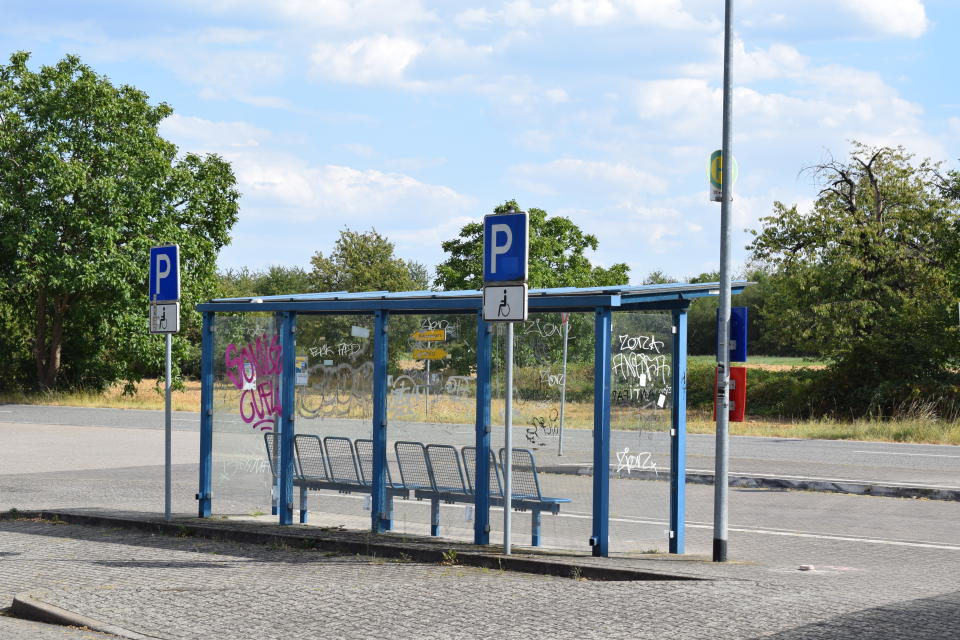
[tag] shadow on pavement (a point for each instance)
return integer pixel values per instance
(934, 618)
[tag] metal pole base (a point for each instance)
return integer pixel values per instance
(719, 550)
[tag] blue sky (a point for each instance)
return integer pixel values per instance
(415, 117)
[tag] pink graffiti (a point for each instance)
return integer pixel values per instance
(259, 360)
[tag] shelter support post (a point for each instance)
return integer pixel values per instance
(601, 433)
(481, 518)
(381, 515)
(288, 346)
(204, 494)
(678, 433)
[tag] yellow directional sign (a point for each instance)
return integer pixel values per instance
(430, 335)
(429, 354)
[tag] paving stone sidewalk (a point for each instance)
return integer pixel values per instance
(186, 587)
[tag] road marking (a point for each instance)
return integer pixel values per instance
(757, 530)
(897, 453)
(777, 532)
(873, 482)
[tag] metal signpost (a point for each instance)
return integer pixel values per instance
(565, 323)
(164, 295)
(723, 353)
(505, 252)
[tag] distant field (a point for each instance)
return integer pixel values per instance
(772, 362)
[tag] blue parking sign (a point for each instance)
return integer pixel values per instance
(165, 273)
(505, 247)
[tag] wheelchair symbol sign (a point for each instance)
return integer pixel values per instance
(505, 303)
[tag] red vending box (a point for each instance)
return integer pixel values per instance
(738, 393)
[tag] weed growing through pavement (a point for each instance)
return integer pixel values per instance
(449, 557)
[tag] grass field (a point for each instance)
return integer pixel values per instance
(772, 362)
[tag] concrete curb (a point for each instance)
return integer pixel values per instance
(429, 551)
(826, 485)
(30, 606)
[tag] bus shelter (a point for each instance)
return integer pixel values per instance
(368, 378)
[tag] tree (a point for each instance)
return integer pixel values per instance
(87, 185)
(557, 257)
(276, 280)
(869, 277)
(363, 262)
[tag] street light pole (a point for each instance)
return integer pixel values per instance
(723, 346)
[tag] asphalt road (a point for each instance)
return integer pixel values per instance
(914, 464)
(874, 567)
(113, 459)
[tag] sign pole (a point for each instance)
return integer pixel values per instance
(720, 511)
(508, 442)
(426, 397)
(168, 436)
(163, 292)
(506, 248)
(563, 386)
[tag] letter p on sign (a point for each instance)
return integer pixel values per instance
(165, 273)
(505, 239)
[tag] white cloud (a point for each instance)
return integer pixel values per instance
(343, 14)
(906, 18)
(669, 14)
(571, 175)
(204, 136)
(378, 59)
(779, 60)
(828, 18)
(341, 193)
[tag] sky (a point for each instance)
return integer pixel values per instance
(416, 117)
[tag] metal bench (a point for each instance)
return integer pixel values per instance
(331, 464)
(433, 472)
(526, 491)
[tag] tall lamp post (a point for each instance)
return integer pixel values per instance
(723, 346)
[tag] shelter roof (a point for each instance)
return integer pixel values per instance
(650, 296)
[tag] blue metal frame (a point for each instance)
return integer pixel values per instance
(205, 493)
(601, 300)
(481, 493)
(678, 434)
(288, 344)
(381, 516)
(601, 433)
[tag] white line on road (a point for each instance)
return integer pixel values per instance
(780, 532)
(898, 453)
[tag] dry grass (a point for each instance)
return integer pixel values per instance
(147, 396)
(904, 430)
(578, 415)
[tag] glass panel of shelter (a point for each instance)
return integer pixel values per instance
(640, 423)
(246, 405)
(334, 410)
(431, 409)
(552, 427)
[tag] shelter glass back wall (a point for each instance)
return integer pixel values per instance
(640, 422)
(246, 405)
(334, 391)
(431, 409)
(552, 419)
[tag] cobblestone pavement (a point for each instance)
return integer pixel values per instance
(170, 587)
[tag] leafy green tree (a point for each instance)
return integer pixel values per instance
(276, 280)
(363, 261)
(557, 259)
(87, 185)
(868, 278)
